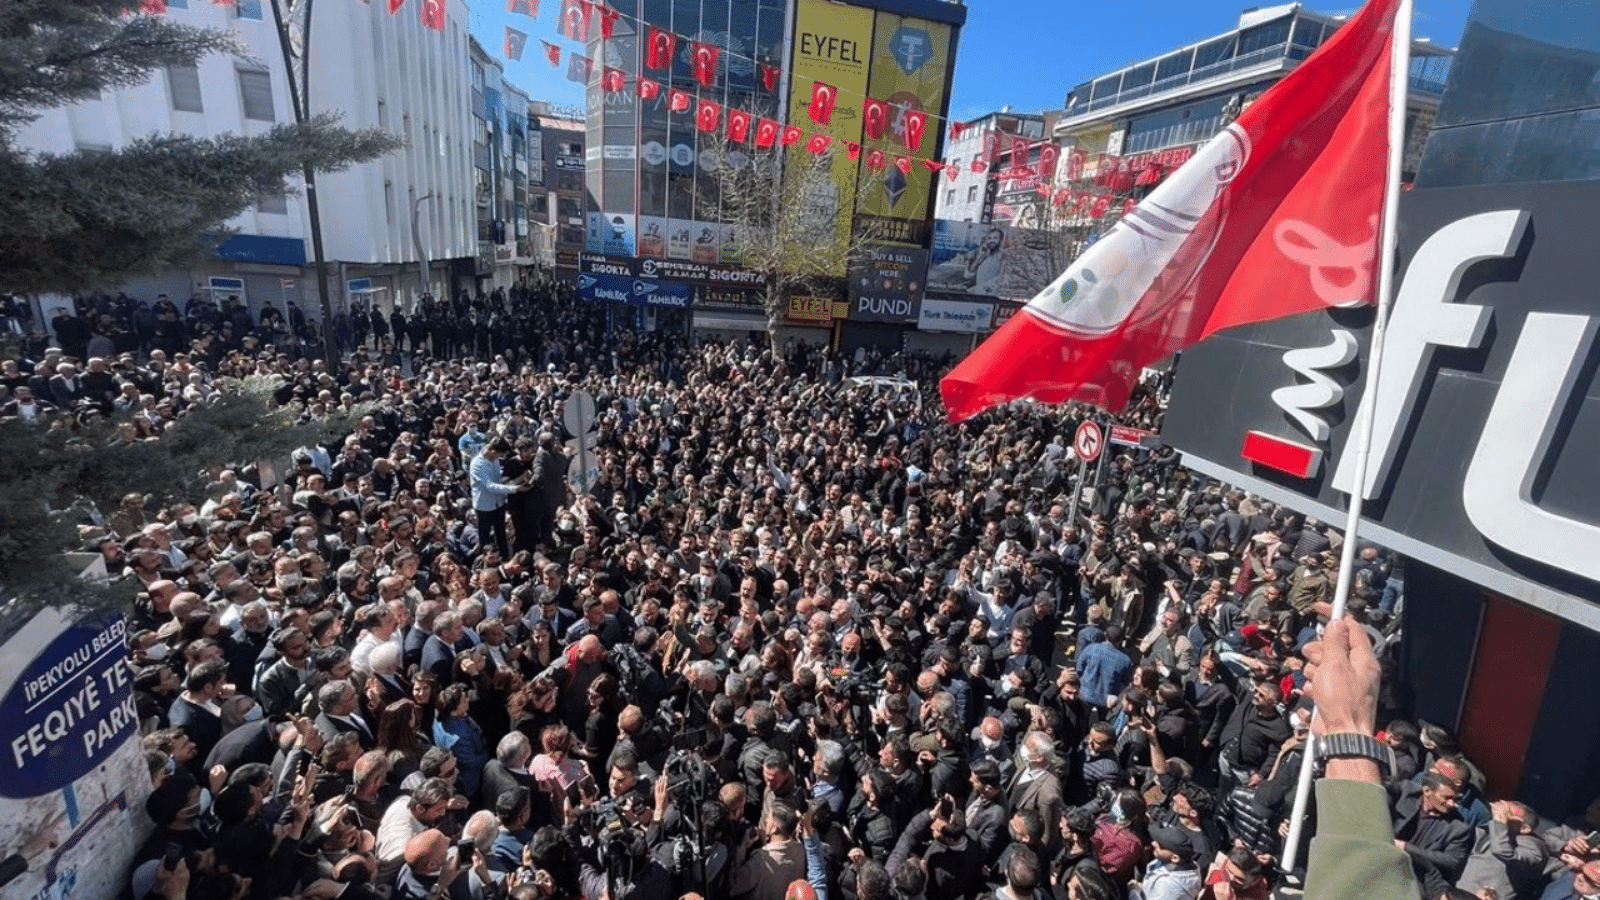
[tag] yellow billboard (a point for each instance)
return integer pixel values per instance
(910, 66)
(833, 45)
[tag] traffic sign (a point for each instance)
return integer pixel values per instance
(1087, 441)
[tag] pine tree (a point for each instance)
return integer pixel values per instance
(94, 219)
(55, 474)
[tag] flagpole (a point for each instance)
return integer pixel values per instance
(1399, 91)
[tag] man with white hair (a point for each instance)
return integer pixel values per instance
(1036, 787)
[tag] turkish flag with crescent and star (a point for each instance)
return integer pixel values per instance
(658, 53)
(738, 126)
(916, 124)
(705, 56)
(708, 115)
(1277, 215)
(823, 97)
(575, 19)
(679, 100)
(792, 134)
(766, 132)
(433, 12)
(874, 119)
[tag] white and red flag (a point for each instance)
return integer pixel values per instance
(1277, 215)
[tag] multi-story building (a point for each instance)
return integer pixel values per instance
(1176, 101)
(655, 218)
(556, 187)
(500, 172)
(377, 70)
(970, 196)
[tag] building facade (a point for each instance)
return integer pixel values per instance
(557, 192)
(1487, 413)
(970, 196)
(657, 212)
(1141, 114)
(377, 70)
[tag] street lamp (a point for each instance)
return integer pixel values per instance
(416, 238)
(294, 39)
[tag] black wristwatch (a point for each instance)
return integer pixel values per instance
(1352, 745)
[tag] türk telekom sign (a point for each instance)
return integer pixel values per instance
(1488, 415)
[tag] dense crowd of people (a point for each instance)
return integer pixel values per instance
(785, 631)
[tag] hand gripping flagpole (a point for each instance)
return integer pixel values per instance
(1399, 90)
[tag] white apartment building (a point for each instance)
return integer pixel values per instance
(377, 70)
(970, 196)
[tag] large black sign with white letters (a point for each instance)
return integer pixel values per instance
(1488, 414)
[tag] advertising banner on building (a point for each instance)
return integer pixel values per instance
(995, 260)
(635, 291)
(886, 284)
(963, 316)
(910, 65)
(833, 45)
(617, 236)
(1482, 459)
(671, 269)
(72, 777)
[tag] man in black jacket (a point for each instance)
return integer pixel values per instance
(1432, 831)
(1253, 735)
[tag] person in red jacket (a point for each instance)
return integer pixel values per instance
(1121, 841)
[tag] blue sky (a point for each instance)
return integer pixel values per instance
(1026, 53)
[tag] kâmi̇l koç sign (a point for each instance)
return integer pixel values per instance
(68, 709)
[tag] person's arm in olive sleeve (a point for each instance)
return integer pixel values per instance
(1353, 853)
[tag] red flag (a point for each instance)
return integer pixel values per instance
(579, 67)
(575, 19)
(979, 166)
(1081, 201)
(552, 52)
(1062, 196)
(991, 147)
(877, 160)
(767, 132)
(1128, 206)
(1275, 216)
(933, 164)
(433, 14)
(679, 100)
(1049, 157)
(957, 129)
(515, 41)
(1102, 204)
(157, 7)
(874, 119)
(1076, 160)
(739, 126)
(705, 58)
(903, 164)
(608, 19)
(658, 53)
(952, 172)
(792, 134)
(819, 144)
(823, 97)
(1019, 153)
(613, 80)
(394, 5)
(708, 115)
(769, 76)
(529, 8)
(916, 126)
(649, 88)
(853, 148)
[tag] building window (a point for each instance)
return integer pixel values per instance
(972, 194)
(248, 9)
(275, 204)
(177, 4)
(255, 87)
(183, 87)
(950, 197)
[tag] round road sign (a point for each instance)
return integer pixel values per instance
(1087, 441)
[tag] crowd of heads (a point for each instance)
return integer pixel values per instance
(781, 627)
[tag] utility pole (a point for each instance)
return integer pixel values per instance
(294, 39)
(416, 238)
